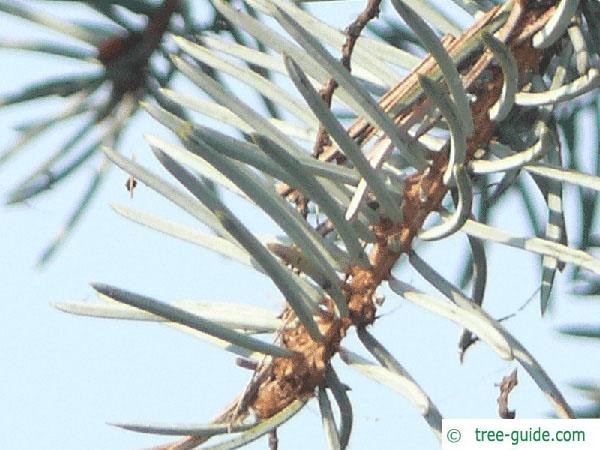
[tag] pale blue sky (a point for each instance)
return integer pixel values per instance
(63, 377)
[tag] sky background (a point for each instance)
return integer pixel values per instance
(62, 377)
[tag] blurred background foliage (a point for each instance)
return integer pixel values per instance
(123, 55)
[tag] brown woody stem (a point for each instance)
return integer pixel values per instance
(353, 32)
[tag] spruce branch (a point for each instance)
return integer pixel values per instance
(290, 379)
(478, 105)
